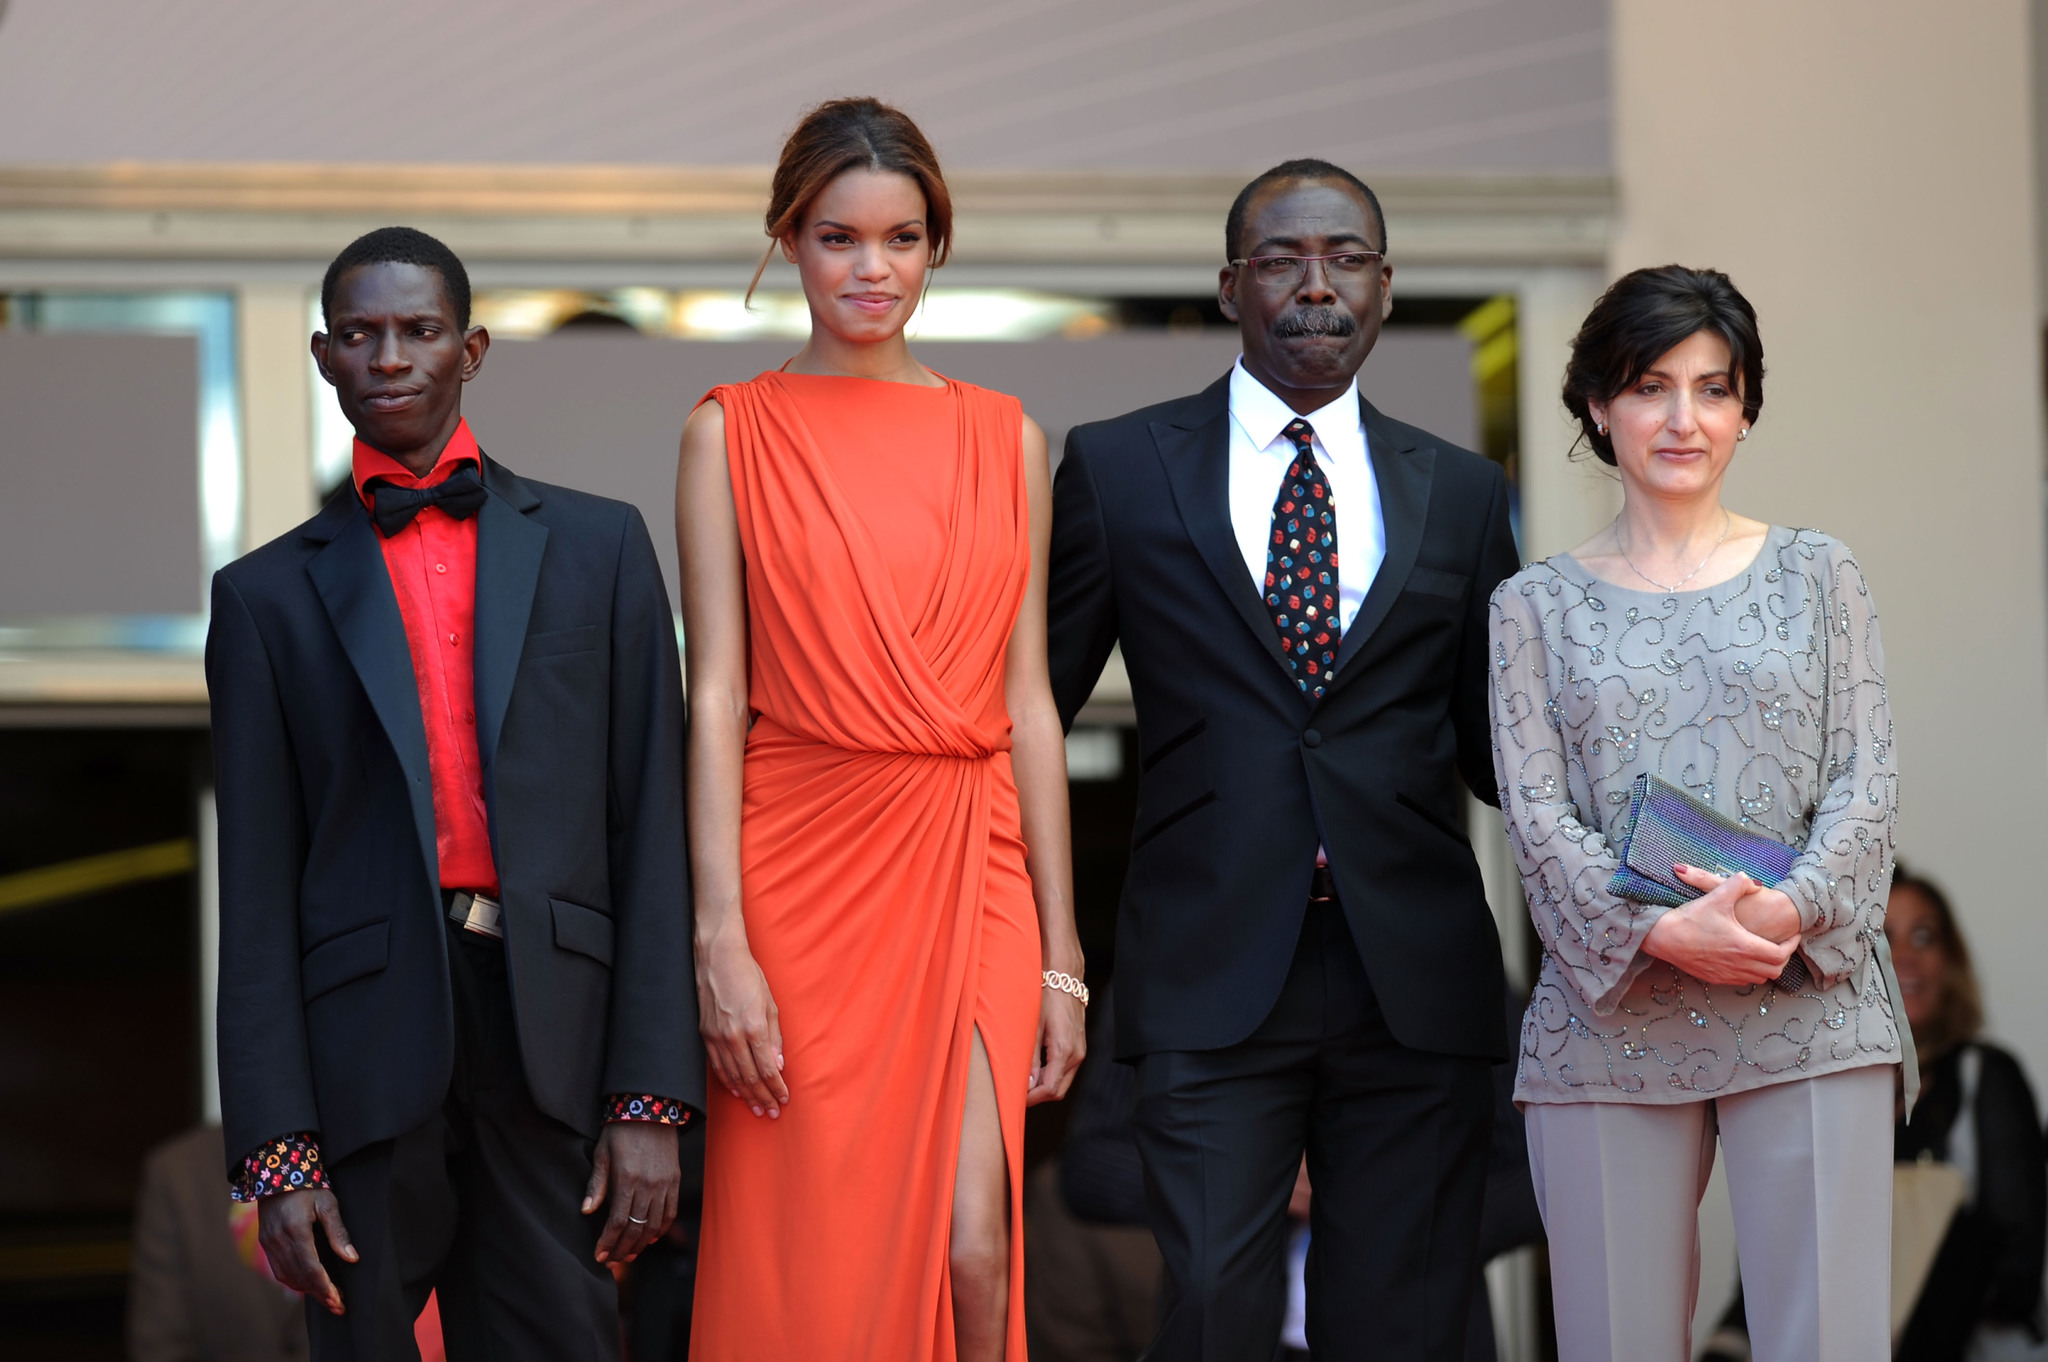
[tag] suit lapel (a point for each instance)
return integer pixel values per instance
(355, 586)
(509, 548)
(1403, 470)
(1197, 460)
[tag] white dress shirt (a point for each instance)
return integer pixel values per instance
(1259, 455)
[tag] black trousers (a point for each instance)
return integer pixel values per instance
(1397, 1144)
(482, 1203)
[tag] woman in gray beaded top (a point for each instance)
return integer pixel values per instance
(1741, 662)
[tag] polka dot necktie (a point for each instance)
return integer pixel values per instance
(1301, 566)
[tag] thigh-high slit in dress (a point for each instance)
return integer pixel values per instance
(884, 528)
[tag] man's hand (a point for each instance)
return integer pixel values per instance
(636, 1162)
(284, 1226)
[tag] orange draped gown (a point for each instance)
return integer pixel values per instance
(884, 530)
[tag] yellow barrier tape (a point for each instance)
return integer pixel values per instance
(93, 874)
(1489, 319)
(56, 1262)
(1495, 356)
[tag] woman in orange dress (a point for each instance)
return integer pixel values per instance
(877, 806)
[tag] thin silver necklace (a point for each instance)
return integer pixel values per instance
(1727, 524)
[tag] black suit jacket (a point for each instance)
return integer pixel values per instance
(1240, 772)
(335, 1005)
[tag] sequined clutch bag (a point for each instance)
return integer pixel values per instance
(1667, 827)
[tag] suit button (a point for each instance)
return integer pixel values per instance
(1311, 738)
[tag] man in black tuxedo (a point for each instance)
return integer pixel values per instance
(1305, 958)
(455, 984)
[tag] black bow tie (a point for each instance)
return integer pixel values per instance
(461, 495)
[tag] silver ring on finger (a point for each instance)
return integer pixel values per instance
(636, 1220)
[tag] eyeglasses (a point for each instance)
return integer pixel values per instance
(1289, 270)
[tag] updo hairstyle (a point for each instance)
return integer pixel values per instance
(1642, 316)
(854, 134)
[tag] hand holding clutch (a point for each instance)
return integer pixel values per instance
(1707, 939)
(1770, 913)
(1669, 834)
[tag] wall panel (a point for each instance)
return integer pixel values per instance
(605, 412)
(99, 474)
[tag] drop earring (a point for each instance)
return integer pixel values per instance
(1600, 427)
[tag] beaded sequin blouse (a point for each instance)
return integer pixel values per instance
(1764, 696)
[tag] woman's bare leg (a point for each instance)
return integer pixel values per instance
(980, 1250)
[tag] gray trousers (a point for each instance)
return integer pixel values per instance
(1809, 1166)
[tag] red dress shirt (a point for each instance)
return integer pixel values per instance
(432, 563)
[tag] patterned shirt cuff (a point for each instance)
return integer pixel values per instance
(289, 1163)
(625, 1106)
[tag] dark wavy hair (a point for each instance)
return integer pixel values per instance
(859, 133)
(400, 246)
(1961, 1014)
(1641, 317)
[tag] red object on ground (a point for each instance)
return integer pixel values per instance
(426, 1332)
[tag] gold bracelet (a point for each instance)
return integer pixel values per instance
(1066, 983)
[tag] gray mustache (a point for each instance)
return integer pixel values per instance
(1315, 321)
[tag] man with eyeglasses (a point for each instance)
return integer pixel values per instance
(1305, 958)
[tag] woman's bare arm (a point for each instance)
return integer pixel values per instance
(742, 1033)
(1038, 757)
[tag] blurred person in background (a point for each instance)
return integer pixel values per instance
(1981, 1299)
(1510, 1219)
(1743, 660)
(1976, 1113)
(888, 970)
(1091, 1280)
(199, 1288)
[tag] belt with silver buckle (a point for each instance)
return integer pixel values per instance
(475, 913)
(1322, 886)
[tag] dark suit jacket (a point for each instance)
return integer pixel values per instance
(1241, 773)
(335, 1004)
(191, 1298)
